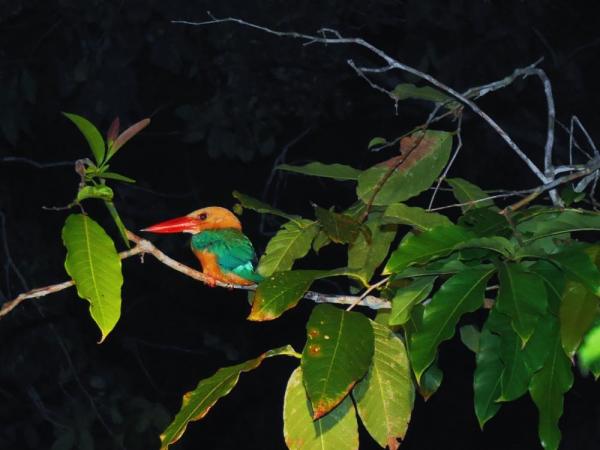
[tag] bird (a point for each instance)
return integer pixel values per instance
(225, 253)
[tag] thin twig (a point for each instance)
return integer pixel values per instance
(367, 292)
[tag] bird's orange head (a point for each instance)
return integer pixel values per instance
(210, 218)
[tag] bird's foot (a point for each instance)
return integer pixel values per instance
(210, 281)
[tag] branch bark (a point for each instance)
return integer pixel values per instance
(143, 247)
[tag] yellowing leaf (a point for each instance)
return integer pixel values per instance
(338, 430)
(385, 396)
(197, 403)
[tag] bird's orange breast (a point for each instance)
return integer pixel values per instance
(210, 266)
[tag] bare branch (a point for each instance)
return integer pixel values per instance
(391, 63)
(143, 246)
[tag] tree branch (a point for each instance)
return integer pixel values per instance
(146, 247)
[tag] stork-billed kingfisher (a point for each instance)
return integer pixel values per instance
(224, 252)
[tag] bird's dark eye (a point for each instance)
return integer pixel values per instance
(202, 216)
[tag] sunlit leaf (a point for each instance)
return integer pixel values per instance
(416, 249)
(406, 297)
(339, 227)
(338, 352)
(462, 293)
(91, 134)
(415, 217)
(317, 169)
(578, 311)
(547, 389)
(291, 242)
(469, 194)
(385, 397)
(261, 207)
(197, 403)
(93, 263)
(589, 353)
(365, 255)
(414, 170)
(522, 296)
(337, 430)
(122, 139)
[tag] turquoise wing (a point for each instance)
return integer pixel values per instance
(233, 250)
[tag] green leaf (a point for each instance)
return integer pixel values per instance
(485, 222)
(338, 430)
(118, 222)
(376, 142)
(280, 292)
(404, 91)
(496, 244)
(261, 207)
(385, 397)
(462, 293)
(470, 336)
(93, 263)
(317, 169)
(337, 354)
(466, 192)
(340, 228)
(520, 362)
(415, 217)
(554, 280)
(444, 266)
(91, 134)
(198, 402)
(486, 379)
(291, 242)
(589, 353)
(545, 225)
(438, 242)
(522, 297)
(405, 298)
(578, 310)
(547, 389)
(430, 382)
(320, 241)
(122, 139)
(415, 170)
(101, 191)
(579, 266)
(117, 176)
(364, 255)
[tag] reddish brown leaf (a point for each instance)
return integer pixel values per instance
(128, 134)
(413, 148)
(113, 131)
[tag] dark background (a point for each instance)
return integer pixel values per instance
(225, 103)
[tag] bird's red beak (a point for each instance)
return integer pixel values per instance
(183, 224)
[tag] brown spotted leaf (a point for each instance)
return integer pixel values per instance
(338, 352)
(422, 158)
